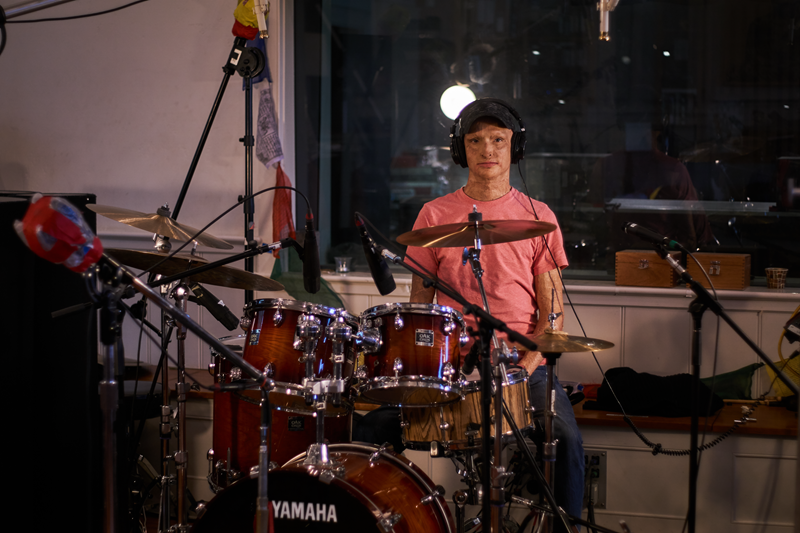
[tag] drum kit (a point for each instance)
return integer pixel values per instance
(289, 429)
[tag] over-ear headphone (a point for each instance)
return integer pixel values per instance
(457, 148)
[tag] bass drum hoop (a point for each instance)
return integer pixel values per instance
(397, 460)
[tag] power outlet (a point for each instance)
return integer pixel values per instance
(596, 476)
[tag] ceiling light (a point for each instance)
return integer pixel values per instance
(454, 99)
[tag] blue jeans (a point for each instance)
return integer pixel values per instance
(569, 471)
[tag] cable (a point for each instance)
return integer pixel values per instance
(75, 17)
(2, 30)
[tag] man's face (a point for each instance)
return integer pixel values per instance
(488, 151)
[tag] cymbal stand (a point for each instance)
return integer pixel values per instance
(491, 366)
(165, 427)
(181, 457)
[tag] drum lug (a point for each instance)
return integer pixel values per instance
(463, 339)
(389, 520)
(277, 318)
(448, 325)
(236, 373)
(399, 324)
(438, 491)
(212, 367)
(269, 370)
(361, 373)
(397, 366)
(245, 322)
(448, 371)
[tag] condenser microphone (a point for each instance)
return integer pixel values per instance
(261, 9)
(311, 269)
(631, 228)
(377, 265)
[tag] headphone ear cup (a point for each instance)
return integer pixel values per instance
(518, 142)
(457, 147)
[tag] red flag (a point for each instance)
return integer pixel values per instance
(282, 224)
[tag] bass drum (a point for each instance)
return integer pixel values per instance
(373, 490)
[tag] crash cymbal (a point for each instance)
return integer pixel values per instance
(560, 342)
(223, 276)
(160, 223)
(463, 233)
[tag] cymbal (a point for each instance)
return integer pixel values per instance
(223, 276)
(463, 233)
(160, 223)
(561, 342)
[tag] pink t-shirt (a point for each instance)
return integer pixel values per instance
(509, 268)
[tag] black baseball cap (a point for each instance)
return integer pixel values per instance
(486, 107)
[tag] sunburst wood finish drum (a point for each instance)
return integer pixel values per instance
(274, 343)
(237, 418)
(419, 358)
(457, 426)
(366, 489)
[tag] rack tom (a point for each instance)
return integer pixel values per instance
(292, 341)
(416, 359)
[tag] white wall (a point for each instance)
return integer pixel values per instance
(115, 105)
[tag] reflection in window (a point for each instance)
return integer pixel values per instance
(686, 121)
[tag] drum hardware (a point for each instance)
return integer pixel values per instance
(437, 492)
(399, 324)
(397, 367)
(277, 318)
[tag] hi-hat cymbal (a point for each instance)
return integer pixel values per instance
(160, 223)
(463, 233)
(560, 342)
(223, 276)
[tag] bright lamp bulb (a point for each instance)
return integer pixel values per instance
(454, 99)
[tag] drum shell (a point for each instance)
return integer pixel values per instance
(424, 349)
(387, 486)
(272, 343)
(422, 426)
(237, 419)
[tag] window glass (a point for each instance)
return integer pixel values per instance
(686, 121)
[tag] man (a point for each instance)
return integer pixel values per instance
(520, 277)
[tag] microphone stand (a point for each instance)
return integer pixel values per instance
(487, 325)
(699, 305)
(114, 275)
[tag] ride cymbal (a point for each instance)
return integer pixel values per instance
(160, 223)
(223, 276)
(463, 233)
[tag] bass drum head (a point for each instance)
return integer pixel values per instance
(299, 503)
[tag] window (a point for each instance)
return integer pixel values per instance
(686, 121)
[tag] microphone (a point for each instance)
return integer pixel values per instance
(260, 7)
(652, 237)
(471, 360)
(604, 7)
(215, 306)
(311, 271)
(377, 265)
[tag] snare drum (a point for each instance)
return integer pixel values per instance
(458, 425)
(418, 360)
(274, 344)
(372, 490)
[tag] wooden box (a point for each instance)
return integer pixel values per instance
(727, 271)
(640, 268)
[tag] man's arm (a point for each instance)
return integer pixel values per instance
(419, 293)
(543, 285)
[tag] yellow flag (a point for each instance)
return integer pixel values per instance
(244, 13)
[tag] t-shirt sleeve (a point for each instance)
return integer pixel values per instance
(542, 260)
(424, 257)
